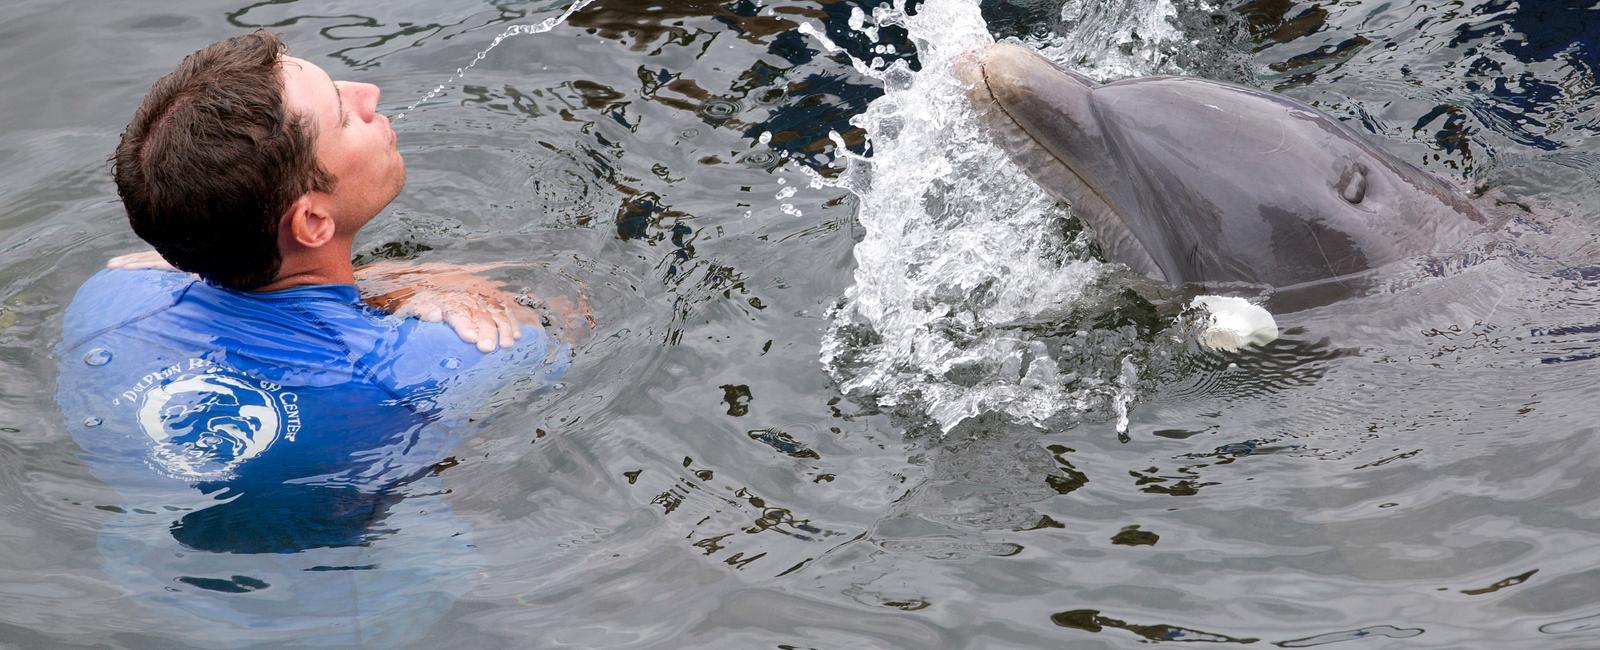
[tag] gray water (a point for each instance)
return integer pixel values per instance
(796, 425)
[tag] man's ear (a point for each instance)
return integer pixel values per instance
(307, 223)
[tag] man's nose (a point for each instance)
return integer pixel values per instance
(367, 99)
(370, 100)
(375, 94)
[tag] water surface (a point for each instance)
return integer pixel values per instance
(837, 402)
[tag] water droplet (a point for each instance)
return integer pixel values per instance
(762, 159)
(451, 363)
(690, 134)
(97, 357)
(765, 137)
(92, 422)
(720, 108)
(515, 30)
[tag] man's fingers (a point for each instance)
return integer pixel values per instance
(507, 328)
(465, 327)
(522, 315)
(487, 334)
(423, 309)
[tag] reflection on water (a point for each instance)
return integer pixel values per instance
(1091, 621)
(1408, 467)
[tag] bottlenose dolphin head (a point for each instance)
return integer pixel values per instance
(1196, 181)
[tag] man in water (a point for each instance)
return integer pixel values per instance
(249, 402)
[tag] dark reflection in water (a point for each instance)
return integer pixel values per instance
(1386, 631)
(1280, 21)
(1553, 31)
(776, 93)
(1090, 620)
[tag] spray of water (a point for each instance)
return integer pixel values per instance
(960, 246)
(955, 245)
(514, 30)
(1115, 39)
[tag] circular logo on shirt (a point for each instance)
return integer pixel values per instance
(206, 425)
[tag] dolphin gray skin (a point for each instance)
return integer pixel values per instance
(1196, 181)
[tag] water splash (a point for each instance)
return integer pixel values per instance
(1127, 389)
(1116, 39)
(1113, 39)
(962, 251)
(956, 245)
(514, 30)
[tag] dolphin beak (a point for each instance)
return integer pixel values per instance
(1050, 103)
(1045, 117)
(969, 68)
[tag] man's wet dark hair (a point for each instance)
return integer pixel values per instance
(212, 160)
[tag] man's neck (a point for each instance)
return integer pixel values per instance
(326, 265)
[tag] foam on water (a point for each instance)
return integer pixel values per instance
(959, 244)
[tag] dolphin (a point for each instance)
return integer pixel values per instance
(1199, 182)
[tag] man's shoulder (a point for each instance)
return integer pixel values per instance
(116, 297)
(162, 314)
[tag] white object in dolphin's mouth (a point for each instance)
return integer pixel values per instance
(1233, 323)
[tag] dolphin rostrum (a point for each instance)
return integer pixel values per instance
(1200, 182)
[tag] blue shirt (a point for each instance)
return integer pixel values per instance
(302, 403)
(277, 422)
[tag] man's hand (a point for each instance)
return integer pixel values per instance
(475, 307)
(573, 318)
(137, 261)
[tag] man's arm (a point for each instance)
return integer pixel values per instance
(459, 296)
(569, 319)
(475, 307)
(139, 261)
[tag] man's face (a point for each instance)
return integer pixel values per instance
(353, 141)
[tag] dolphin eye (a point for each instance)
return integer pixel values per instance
(1353, 184)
